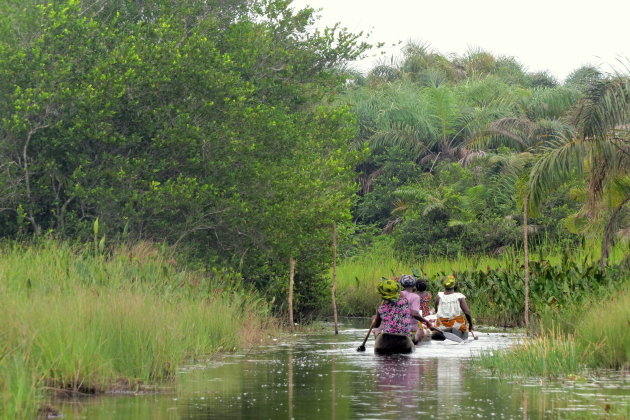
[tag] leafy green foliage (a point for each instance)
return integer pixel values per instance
(497, 294)
(524, 136)
(470, 210)
(199, 124)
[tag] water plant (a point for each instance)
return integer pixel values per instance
(494, 285)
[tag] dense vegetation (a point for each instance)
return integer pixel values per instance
(233, 135)
(572, 343)
(77, 320)
(233, 132)
(494, 285)
(204, 125)
(457, 145)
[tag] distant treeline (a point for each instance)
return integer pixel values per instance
(459, 144)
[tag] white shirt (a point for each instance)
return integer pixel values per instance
(449, 305)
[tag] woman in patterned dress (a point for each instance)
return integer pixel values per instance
(395, 315)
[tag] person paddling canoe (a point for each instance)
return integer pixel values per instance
(394, 315)
(453, 314)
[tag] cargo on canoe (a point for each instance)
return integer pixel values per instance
(386, 343)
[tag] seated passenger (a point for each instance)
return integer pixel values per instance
(453, 314)
(408, 283)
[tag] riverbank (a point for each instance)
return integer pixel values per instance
(77, 320)
(321, 375)
(582, 339)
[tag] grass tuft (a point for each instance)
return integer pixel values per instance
(79, 322)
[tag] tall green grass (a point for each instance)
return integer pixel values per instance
(76, 321)
(590, 336)
(358, 276)
(494, 285)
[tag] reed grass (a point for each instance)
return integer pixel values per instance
(597, 338)
(548, 356)
(80, 322)
(20, 394)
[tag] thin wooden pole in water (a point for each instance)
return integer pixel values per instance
(334, 278)
(526, 250)
(291, 278)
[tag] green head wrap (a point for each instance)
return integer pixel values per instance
(388, 289)
(448, 282)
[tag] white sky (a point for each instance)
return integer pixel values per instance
(554, 35)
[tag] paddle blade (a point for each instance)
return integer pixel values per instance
(361, 348)
(452, 337)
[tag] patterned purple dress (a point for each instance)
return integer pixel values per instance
(395, 317)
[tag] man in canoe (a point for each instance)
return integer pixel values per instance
(453, 314)
(395, 315)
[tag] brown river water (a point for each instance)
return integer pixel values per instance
(322, 376)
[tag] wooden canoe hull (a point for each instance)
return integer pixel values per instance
(393, 343)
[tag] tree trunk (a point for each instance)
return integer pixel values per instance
(291, 277)
(526, 250)
(334, 279)
(609, 233)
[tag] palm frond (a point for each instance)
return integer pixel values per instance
(618, 190)
(552, 103)
(606, 106)
(510, 131)
(416, 138)
(411, 194)
(564, 157)
(400, 206)
(443, 109)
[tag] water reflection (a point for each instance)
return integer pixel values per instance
(449, 385)
(323, 377)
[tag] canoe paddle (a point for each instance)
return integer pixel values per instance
(452, 337)
(474, 336)
(447, 335)
(362, 346)
(442, 335)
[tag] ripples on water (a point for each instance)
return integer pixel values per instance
(322, 376)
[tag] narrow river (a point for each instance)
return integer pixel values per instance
(322, 376)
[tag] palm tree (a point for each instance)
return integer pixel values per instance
(535, 123)
(599, 148)
(434, 122)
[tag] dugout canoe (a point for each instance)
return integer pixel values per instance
(386, 343)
